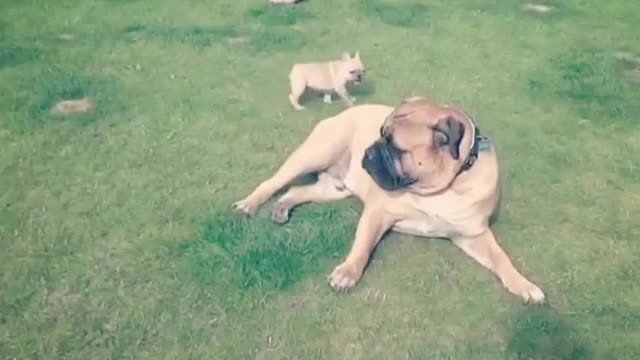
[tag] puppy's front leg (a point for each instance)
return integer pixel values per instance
(372, 225)
(344, 95)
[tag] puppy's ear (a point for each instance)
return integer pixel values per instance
(346, 56)
(357, 55)
(451, 134)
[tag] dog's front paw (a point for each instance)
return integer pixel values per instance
(353, 100)
(280, 212)
(327, 99)
(344, 277)
(245, 206)
(527, 290)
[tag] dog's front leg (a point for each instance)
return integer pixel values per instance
(486, 250)
(344, 95)
(373, 224)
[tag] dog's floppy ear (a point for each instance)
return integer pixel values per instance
(346, 56)
(453, 130)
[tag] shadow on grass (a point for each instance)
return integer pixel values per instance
(366, 89)
(275, 40)
(264, 40)
(396, 14)
(244, 254)
(274, 15)
(196, 36)
(11, 56)
(540, 333)
(591, 81)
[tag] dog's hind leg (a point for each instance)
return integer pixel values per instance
(326, 189)
(298, 85)
(320, 149)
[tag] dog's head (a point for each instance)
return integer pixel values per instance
(352, 67)
(422, 147)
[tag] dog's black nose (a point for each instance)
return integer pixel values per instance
(369, 153)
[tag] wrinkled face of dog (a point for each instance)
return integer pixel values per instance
(353, 68)
(421, 149)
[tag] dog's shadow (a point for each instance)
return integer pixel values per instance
(366, 89)
(495, 216)
(361, 92)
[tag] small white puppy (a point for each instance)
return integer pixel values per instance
(326, 77)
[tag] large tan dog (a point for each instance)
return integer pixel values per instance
(421, 169)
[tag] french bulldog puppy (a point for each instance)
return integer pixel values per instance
(326, 77)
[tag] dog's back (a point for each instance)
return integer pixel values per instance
(316, 75)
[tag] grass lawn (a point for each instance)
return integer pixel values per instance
(116, 233)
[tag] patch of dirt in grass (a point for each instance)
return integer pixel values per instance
(66, 36)
(540, 9)
(237, 40)
(54, 96)
(59, 303)
(630, 66)
(67, 107)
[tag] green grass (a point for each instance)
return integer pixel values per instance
(115, 225)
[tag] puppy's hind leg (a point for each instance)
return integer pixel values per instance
(316, 153)
(326, 189)
(298, 85)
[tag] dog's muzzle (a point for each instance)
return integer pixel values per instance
(358, 77)
(380, 163)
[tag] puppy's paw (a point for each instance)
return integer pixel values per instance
(349, 102)
(294, 102)
(245, 206)
(280, 212)
(344, 277)
(353, 100)
(528, 291)
(327, 99)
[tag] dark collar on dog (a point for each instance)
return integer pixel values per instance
(479, 143)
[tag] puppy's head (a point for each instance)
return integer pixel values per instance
(422, 147)
(352, 67)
